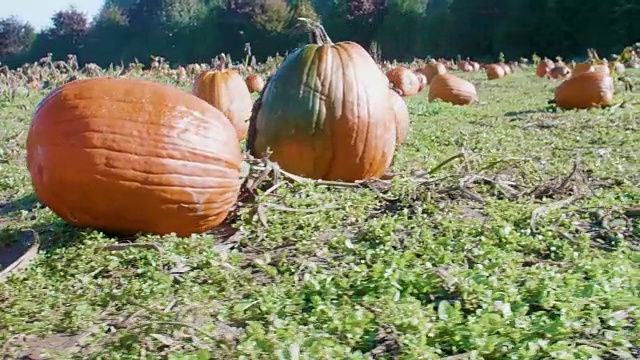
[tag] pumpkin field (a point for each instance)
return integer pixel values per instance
(507, 225)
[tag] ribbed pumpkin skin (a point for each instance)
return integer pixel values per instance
(326, 114)
(404, 80)
(587, 90)
(227, 92)
(494, 71)
(401, 116)
(127, 156)
(452, 89)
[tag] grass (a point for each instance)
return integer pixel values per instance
(523, 246)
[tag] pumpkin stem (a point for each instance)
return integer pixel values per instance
(317, 33)
(222, 62)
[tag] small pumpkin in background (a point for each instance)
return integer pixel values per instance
(401, 116)
(506, 68)
(475, 65)
(423, 81)
(617, 67)
(587, 90)
(465, 66)
(544, 66)
(404, 81)
(127, 155)
(452, 89)
(226, 90)
(494, 71)
(432, 69)
(559, 72)
(326, 113)
(255, 83)
(581, 68)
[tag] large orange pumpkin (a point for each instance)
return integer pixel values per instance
(494, 71)
(128, 156)
(326, 113)
(227, 91)
(255, 83)
(404, 81)
(432, 69)
(587, 90)
(452, 89)
(401, 116)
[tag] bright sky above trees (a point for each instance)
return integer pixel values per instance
(39, 12)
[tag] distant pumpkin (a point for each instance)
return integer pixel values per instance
(423, 81)
(506, 68)
(494, 71)
(432, 69)
(559, 72)
(255, 83)
(401, 115)
(581, 68)
(404, 80)
(128, 155)
(587, 90)
(226, 90)
(544, 67)
(452, 89)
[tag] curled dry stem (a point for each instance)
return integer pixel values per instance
(317, 34)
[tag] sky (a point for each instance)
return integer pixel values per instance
(39, 12)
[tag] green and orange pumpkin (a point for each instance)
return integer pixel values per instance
(326, 113)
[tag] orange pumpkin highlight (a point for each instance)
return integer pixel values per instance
(404, 80)
(452, 89)
(226, 90)
(494, 71)
(587, 90)
(128, 156)
(401, 116)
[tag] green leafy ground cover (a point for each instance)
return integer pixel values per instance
(508, 232)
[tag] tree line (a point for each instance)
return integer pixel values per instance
(187, 31)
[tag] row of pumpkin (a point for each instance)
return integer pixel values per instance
(128, 155)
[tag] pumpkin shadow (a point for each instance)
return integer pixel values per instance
(542, 110)
(49, 236)
(25, 203)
